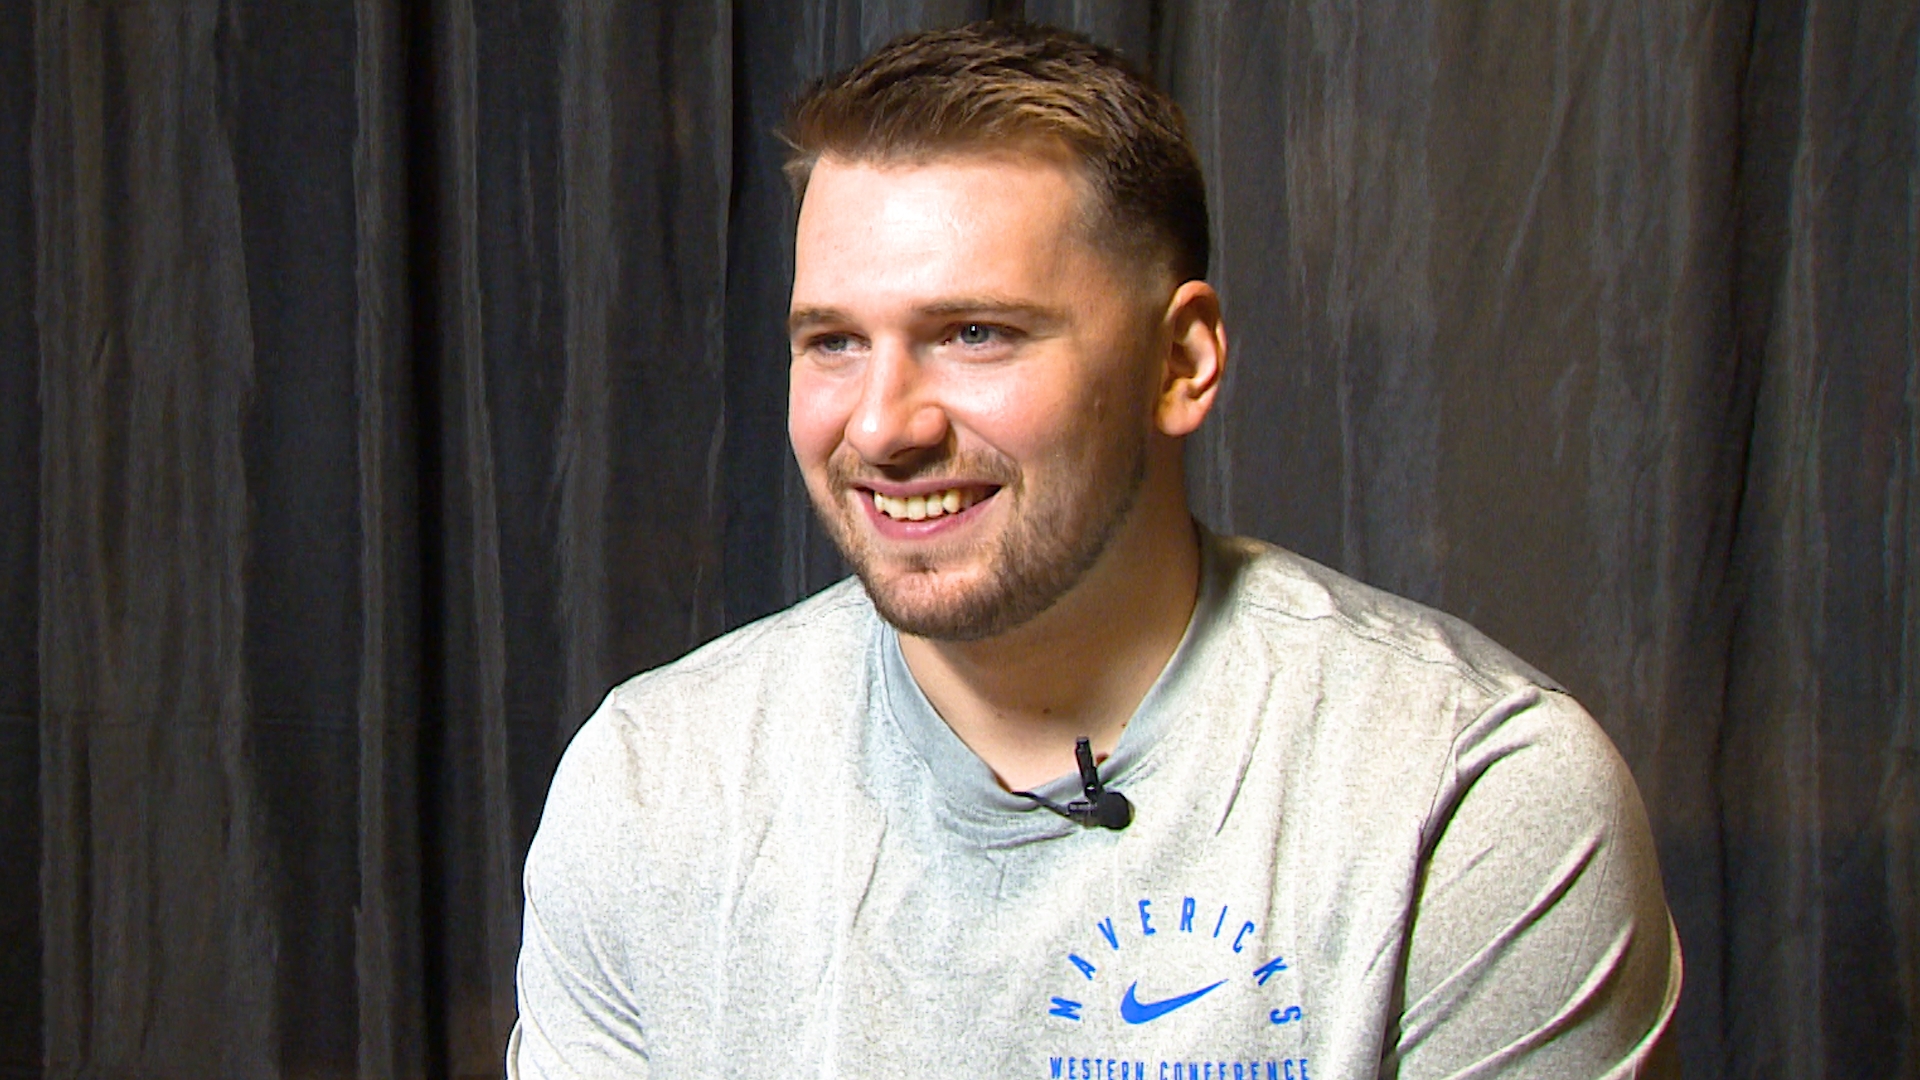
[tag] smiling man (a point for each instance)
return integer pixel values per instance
(884, 832)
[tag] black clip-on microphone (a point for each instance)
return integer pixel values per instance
(1106, 809)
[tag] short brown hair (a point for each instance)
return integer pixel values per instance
(1012, 83)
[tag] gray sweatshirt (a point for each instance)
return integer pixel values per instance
(1367, 842)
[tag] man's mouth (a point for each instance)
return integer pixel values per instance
(933, 504)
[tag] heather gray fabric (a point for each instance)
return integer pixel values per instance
(1361, 829)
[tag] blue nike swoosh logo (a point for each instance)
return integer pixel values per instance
(1135, 1011)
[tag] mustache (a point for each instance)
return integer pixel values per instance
(846, 470)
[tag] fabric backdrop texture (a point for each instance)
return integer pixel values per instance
(385, 379)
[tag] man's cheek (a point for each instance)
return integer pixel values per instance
(810, 427)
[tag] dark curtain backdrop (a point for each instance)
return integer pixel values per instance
(384, 379)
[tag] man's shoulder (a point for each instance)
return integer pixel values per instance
(790, 672)
(823, 632)
(749, 711)
(1420, 702)
(1290, 593)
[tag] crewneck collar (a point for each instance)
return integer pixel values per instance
(976, 804)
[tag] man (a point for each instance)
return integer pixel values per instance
(1321, 832)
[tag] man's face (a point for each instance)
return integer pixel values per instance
(972, 389)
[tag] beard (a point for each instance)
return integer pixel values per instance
(1051, 538)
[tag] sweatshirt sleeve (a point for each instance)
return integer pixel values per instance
(578, 1017)
(1541, 943)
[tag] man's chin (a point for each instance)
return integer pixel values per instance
(933, 605)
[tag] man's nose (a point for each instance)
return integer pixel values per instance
(899, 414)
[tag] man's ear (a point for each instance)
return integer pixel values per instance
(1195, 360)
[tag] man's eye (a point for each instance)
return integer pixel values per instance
(975, 334)
(832, 343)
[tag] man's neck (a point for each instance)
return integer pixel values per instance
(1020, 700)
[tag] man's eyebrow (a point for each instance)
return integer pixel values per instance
(1035, 318)
(993, 308)
(985, 306)
(812, 316)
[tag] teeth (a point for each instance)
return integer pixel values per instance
(922, 507)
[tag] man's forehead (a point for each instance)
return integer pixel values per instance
(1048, 177)
(991, 211)
(944, 224)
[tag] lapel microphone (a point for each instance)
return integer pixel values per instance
(1102, 808)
